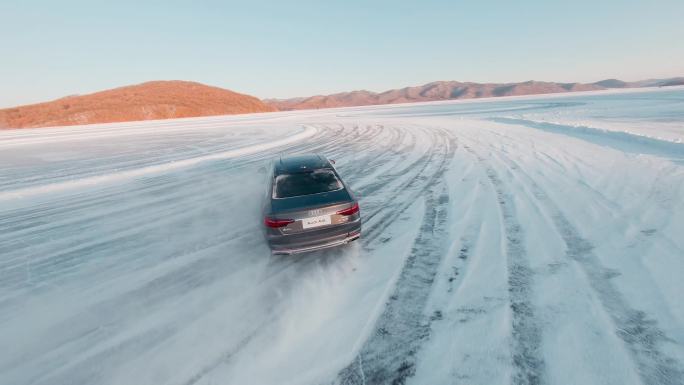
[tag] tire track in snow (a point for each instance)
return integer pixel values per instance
(223, 358)
(420, 182)
(528, 362)
(373, 160)
(640, 334)
(389, 354)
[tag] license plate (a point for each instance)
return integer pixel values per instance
(322, 220)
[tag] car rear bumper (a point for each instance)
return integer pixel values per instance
(306, 242)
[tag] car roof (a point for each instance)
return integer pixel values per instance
(300, 163)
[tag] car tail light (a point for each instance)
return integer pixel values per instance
(275, 223)
(352, 210)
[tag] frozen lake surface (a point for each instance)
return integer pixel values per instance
(534, 240)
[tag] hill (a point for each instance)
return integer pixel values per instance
(448, 90)
(612, 83)
(441, 90)
(146, 101)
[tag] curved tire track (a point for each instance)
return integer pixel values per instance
(389, 354)
(528, 361)
(640, 333)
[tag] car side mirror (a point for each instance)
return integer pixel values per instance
(332, 161)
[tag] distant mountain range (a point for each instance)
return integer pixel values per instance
(180, 99)
(449, 90)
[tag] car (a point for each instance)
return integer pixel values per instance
(308, 206)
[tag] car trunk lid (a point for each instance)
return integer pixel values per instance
(312, 212)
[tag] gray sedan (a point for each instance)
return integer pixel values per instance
(308, 206)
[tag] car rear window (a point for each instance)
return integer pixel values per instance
(314, 182)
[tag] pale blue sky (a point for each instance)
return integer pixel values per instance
(52, 48)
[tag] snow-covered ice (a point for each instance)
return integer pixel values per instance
(534, 240)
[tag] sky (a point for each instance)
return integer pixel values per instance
(53, 48)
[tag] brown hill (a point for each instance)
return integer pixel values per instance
(442, 90)
(151, 100)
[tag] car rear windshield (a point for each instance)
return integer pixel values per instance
(314, 182)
